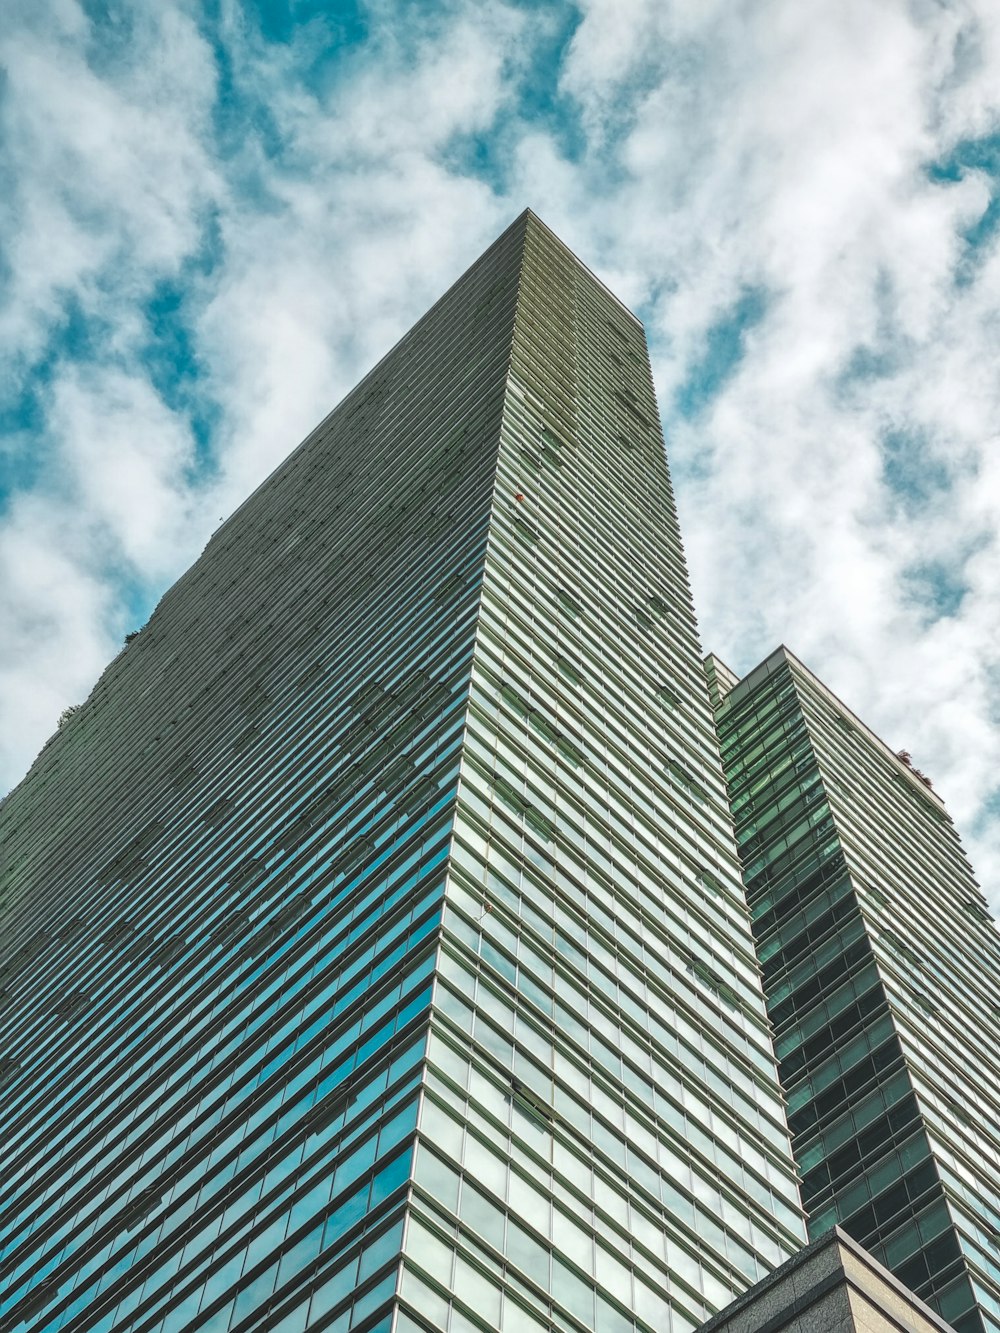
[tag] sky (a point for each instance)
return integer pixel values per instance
(214, 218)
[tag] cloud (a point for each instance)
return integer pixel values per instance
(109, 187)
(280, 216)
(216, 226)
(106, 164)
(360, 219)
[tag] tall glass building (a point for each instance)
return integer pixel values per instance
(882, 972)
(375, 950)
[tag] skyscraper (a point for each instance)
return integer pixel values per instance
(882, 973)
(376, 950)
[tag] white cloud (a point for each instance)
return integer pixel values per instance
(53, 617)
(111, 510)
(108, 166)
(121, 464)
(110, 185)
(365, 224)
(788, 149)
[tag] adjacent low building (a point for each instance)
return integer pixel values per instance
(881, 968)
(830, 1286)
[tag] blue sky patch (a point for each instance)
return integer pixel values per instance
(238, 114)
(111, 37)
(22, 417)
(968, 155)
(868, 363)
(278, 20)
(915, 478)
(169, 356)
(540, 100)
(980, 155)
(24, 452)
(725, 346)
(936, 587)
(533, 98)
(985, 821)
(883, 353)
(482, 156)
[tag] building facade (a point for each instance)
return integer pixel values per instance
(882, 973)
(376, 954)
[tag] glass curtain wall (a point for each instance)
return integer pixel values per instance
(602, 1142)
(882, 972)
(223, 882)
(375, 949)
